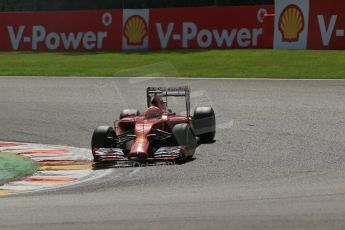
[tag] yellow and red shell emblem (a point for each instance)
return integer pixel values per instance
(135, 30)
(291, 23)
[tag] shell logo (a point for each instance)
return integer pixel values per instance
(135, 30)
(291, 23)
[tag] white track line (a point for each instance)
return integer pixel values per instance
(173, 78)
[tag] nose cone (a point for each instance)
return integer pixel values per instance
(139, 149)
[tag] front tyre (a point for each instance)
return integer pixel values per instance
(184, 136)
(100, 139)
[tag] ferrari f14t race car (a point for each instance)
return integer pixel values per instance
(158, 134)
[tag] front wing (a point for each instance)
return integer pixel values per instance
(172, 153)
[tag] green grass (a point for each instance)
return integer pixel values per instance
(213, 63)
(13, 167)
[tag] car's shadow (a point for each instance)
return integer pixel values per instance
(200, 142)
(108, 165)
(100, 166)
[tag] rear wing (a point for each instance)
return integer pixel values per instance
(165, 92)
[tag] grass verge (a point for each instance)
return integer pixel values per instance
(13, 167)
(211, 63)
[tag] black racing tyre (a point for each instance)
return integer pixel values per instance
(204, 123)
(129, 112)
(183, 135)
(100, 138)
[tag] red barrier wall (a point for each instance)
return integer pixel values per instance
(195, 28)
(58, 31)
(107, 30)
(268, 31)
(326, 24)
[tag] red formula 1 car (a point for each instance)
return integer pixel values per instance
(158, 134)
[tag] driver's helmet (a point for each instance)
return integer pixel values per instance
(157, 101)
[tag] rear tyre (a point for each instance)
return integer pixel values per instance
(100, 139)
(183, 135)
(129, 112)
(205, 123)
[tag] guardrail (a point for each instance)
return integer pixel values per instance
(60, 5)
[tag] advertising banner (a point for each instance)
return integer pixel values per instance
(134, 29)
(61, 31)
(327, 25)
(291, 24)
(207, 27)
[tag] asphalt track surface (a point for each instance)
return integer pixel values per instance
(278, 161)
